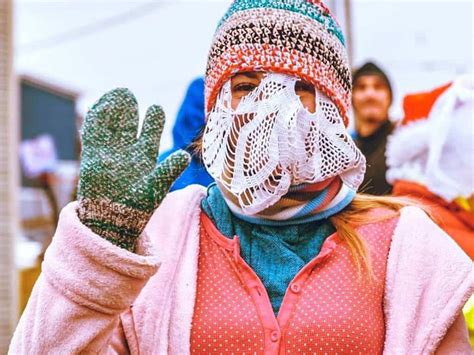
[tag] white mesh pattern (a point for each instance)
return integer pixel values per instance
(271, 142)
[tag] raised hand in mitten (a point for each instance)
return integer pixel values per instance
(120, 184)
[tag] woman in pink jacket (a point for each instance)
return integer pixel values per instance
(280, 255)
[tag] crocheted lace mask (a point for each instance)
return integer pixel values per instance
(271, 142)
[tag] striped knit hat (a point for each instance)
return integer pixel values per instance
(294, 37)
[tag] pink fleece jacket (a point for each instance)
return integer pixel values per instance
(94, 297)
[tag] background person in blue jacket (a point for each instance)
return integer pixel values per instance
(188, 125)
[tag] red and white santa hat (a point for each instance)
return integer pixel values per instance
(434, 145)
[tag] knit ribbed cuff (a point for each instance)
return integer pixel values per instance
(119, 224)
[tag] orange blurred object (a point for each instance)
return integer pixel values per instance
(418, 106)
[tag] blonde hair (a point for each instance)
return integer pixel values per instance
(359, 213)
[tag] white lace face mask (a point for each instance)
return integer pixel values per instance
(271, 142)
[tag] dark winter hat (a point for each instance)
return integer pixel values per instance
(370, 68)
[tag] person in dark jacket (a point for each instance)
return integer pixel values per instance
(188, 126)
(371, 100)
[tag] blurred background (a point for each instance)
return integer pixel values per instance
(58, 56)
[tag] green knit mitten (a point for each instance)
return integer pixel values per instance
(120, 184)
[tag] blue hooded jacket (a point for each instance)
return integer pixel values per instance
(189, 123)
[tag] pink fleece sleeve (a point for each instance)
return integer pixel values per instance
(456, 340)
(85, 285)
